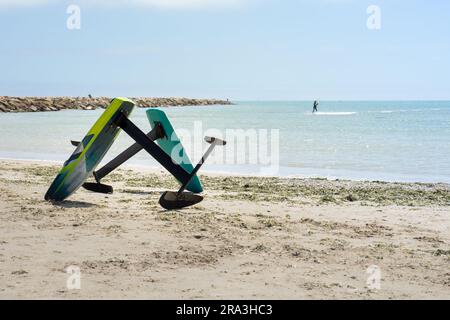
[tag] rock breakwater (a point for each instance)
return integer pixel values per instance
(36, 104)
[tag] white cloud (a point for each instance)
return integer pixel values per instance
(163, 4)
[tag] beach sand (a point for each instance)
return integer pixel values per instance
(251, 238)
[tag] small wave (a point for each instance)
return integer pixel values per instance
(388, 111)
(407, 110)
(334, 113)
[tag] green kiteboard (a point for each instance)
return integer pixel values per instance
(90, 151)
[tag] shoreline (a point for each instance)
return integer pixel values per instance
(252, 237)
(218, 172)
(41, 104)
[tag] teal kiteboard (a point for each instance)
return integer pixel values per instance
(171, 145)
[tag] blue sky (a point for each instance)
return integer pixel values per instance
(237, 49)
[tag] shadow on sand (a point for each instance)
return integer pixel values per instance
(74, 204)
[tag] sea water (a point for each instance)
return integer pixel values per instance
(359, 140)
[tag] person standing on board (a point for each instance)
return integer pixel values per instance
(316, 104)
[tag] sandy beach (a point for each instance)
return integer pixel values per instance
(251, 238)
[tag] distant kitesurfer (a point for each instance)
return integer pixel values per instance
(316, 104)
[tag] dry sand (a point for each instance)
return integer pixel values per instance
(252, 238)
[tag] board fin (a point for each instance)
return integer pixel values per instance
(177, 200)
(98, 187)
(173, 200)
(75, 143)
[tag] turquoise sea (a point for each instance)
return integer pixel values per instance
(360, 140)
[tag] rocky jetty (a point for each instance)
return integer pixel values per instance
(36, 104)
